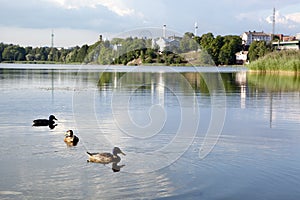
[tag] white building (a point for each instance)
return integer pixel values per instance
(117, 47)
(241, 57)
(164, 43)
(249, 37)
(289, 45)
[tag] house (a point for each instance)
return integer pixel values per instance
(285, 38)
(241, 57)
(249, 37)
(116, 47)
(165, 43)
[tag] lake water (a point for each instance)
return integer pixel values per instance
(188, 133)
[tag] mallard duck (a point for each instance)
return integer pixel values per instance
(45, 122)
(71, 139)
(106, 158)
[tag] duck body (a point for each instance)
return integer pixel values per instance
(103, 158)
(71, 139)
(45, 122)
(106, 158)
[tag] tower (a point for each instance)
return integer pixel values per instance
(52, 39)
(196, 29)
(164, 31)
(273, 20)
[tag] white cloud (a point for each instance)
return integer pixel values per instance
(295, 17)
(117, 6)
(290, 21)
(280, 19)
(284, 19)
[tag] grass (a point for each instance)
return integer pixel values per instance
(288, 60)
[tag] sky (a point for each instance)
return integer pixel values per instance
(78, 22)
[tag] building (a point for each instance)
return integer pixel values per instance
(285, 38)
(116, 47)
(165, 43)
(241, 57)
(249, 37)
(287, 45)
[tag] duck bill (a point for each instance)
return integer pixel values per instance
(123, 153)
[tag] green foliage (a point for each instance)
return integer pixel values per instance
(275, 82)
(13, 53)
(81, 53)
(231, 45)
(219, 50)
(205, 59)
(222, 49)
(258, 49)
(288, 60)
(187, 43)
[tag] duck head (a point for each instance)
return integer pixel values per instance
(69, 133)
(117, 151)
(52, 117)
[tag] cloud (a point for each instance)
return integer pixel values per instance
(116, 6)
(280, 19)
(295, 17)
(289, 20)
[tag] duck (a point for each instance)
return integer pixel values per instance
(45, 122)
(106, 158)
(71, 139)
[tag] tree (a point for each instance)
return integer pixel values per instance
(206, 41)
(205, 58)
(30, 57)
(224, 55)
(258, 49)
(232, 44)
(187, 43)
(13, 53)
(81, 54)
(2, 47)
(215, 48)
(71, 57)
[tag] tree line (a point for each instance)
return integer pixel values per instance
(219, 50)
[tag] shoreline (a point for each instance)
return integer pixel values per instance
(274, 72)
(248, 70)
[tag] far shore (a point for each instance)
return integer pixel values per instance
(249, 70)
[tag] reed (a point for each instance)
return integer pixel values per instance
(288, 60)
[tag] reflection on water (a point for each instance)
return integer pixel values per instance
(275, 82)
(260, 135)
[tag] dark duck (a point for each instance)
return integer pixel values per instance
(45, 122)
(71, 139)
(106, 158)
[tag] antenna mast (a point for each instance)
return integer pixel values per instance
(164, 31)
(196, 29)
(52, 39)
(273, 30)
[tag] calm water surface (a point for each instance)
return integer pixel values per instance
(163, 119)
